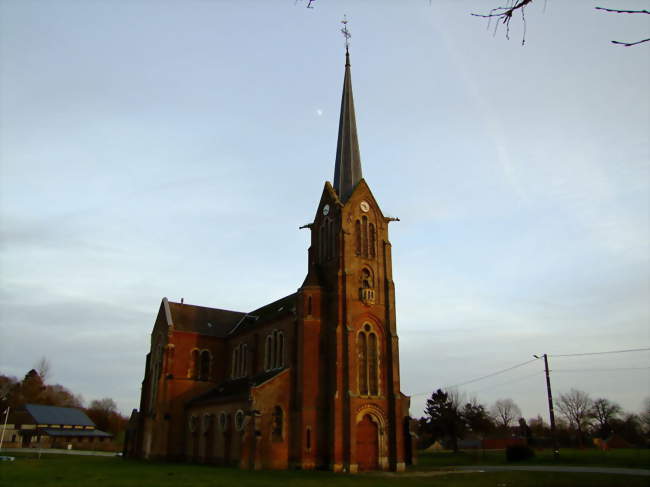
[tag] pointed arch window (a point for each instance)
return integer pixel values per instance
(357, 237)
(279, 356)
(321, 243)
(274, 351)
(268, 351)
(204, 365)
(193, 370)
(243, 362)
(330, 239)
(364, 236)
(362, 350)
(239, 361)
(373, 366)
(235, 362)
(278, 423)
(368, 361)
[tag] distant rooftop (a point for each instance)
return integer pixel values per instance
(58, 415)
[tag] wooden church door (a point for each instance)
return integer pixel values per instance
(367, 444)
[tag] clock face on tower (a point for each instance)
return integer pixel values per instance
(364, 206)
(326, 209)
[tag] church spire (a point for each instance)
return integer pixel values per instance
(347, 169)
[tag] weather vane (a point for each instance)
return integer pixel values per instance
(346, 32)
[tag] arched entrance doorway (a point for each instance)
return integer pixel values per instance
(367, 444)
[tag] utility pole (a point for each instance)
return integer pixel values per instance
(556, 450)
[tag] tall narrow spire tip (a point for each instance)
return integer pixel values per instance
(347, 168)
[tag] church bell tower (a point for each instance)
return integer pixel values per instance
(348, 405)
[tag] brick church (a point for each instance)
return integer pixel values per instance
(308, 381)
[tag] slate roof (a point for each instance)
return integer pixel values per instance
(221, 322)
(73, 432)
(234, 389)
(267, 313)
(58, 415)
(206, 321)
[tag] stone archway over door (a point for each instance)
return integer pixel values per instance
(367, 444)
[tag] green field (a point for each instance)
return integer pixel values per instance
(79, 471)
(629, 458)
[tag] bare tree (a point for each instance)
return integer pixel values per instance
(106, 404)
(505, 412)
(604, 411)
(43, 368)
(576, 407)
(645, 416)
(503, 15)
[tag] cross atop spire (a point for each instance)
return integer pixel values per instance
(346, 33)
(347, 168)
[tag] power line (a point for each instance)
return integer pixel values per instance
(537, 358)
(601, 370)
(480, 378)
(518, 379)
(492, 374)
(600, 353)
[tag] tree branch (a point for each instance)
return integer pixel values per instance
(628, 44)
(504, 14)
(618, 11)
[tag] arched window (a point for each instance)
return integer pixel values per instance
(330, 239)
(362, 349)
(278, 423)
(366, 279)
(309, 305)
(204, 370)
(239, 420)
(364, 236)
(321, 243)
(373, 366)
(357, 237)
(308, 439)
(208, 420)
(240, 361)
(274, 351)
(243, 360)
(373, 238)
(279, 344)
(368, 361)
(268, 351)
(223, 421)
(193, 371)
(235, 362)
(194, 424)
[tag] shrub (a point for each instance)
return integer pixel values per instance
(518, 453)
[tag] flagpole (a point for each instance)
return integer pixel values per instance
(4, 427)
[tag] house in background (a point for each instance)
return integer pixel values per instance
(39, 426)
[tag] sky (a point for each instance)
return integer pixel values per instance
(173, 148)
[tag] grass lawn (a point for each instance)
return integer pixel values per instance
(79, 471)
(631, 458)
